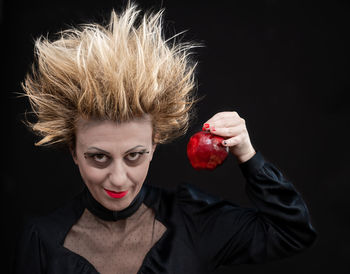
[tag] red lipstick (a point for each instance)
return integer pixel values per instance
(117, 195)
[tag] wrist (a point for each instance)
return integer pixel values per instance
(247, 156)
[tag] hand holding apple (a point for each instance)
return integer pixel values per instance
(232, 128)
(206, 150)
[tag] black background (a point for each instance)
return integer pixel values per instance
(282, 65)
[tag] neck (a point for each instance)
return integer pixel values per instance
(109, 215)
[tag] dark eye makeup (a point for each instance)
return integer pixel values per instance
(134, 156)
(102, 159)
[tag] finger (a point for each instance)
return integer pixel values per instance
(223, 119)
(228, 131)
(226, 127)
(228, 122)
(224, 114)
(233, 141)
(224, 123)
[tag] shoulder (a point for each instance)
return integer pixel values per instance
(182, 194)
(200, 204)
(188, 198)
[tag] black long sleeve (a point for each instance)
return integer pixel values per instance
(278, 227)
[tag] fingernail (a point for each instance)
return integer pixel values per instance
(213, 129)
(224, 142)
(206, 125)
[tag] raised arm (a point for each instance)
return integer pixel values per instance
(278, 226)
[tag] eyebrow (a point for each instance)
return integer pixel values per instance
(106, 152)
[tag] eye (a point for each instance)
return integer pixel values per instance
(100, 158)
(97, 158)
(134, 156)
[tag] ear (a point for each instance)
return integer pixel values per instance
(152, 152)
(74, 155)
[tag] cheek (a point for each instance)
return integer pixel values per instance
(92, 175)
(139, 173)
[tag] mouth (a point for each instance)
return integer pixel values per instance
(116, 195)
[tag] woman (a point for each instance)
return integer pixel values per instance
(112, 94)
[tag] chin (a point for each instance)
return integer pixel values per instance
(117, 204)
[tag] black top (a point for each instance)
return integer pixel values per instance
(203, 232)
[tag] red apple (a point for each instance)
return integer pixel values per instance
(205, 150)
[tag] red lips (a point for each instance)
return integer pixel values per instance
(117, 195)
(205, 151)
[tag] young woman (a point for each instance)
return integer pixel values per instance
(112, 94)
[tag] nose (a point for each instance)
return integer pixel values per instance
(118, 176)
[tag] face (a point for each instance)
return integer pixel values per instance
(113, 158)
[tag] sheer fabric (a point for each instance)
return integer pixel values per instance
(115, 246)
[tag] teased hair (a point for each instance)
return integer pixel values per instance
(118, 72)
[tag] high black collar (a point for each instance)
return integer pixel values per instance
(109, 215)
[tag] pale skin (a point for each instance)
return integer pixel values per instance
(116, 157)
(113, 157)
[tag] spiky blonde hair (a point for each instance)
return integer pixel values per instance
(118, 72)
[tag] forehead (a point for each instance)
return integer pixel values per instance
(109, 134)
